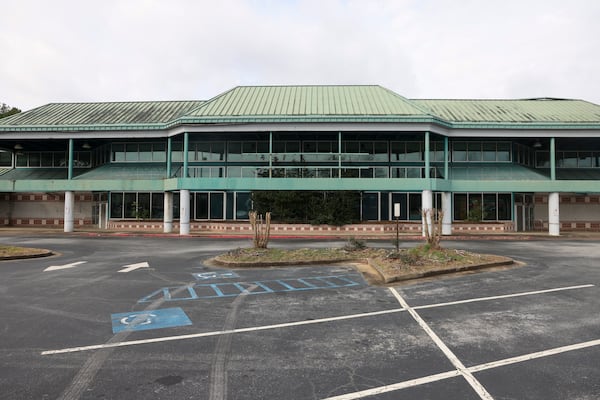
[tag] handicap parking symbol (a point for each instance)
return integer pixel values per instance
(151, 319)
(203, 276)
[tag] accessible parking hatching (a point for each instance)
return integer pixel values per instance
(233, 289)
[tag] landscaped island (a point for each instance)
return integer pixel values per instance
(390, 265)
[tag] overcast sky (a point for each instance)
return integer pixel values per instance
(120, 50)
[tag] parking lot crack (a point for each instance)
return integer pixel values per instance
(218, 373)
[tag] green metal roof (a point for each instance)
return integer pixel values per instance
(305, 102)
(513, 111)
(118, 113)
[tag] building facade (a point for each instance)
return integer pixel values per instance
(518, 165)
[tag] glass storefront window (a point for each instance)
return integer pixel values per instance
(460, 206)
(201, 206)
(400, 198)
(128, 205)
(414, 206)
(216, 205)
(489, 207)
(504, 207)
(243, 205)
(370, 206)
(116, 205)
(157, 211)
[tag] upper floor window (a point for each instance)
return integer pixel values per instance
(5, 158)
(138, 152)
(53, 159)
(481, 151)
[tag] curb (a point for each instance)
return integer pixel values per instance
(43, 253)
(252, 264)
(436, 272)
(384, 278)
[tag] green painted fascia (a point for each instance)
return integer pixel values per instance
(91, 185)
(522, 125)
(77, 128)
(318, 184)
(309, 119)
(542, 186)
(324, 184)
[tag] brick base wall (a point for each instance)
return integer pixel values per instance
(298, 229)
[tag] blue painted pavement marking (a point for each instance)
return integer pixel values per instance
(233, 289)
(151, 319)
(204, 276)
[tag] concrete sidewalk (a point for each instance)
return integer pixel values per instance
(95, 232)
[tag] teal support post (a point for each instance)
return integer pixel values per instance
(446, 158)
(339, 154)
(169, 156)
(186, 156)
(70, 173)
(270, 154)
(552, 159)
(427, 158)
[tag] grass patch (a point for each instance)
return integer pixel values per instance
(267, 256)
(406, 262)
(424, 259)
(15, 251)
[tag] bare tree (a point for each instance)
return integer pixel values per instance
(433, 230)
(260, 228)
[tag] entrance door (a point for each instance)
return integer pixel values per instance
(524, 216)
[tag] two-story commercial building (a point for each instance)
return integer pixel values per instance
(519, 164)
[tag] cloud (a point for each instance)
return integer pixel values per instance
(184, 49)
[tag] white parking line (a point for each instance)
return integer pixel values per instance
(504, 296)
(533, 356)
(222, 332)
(297, 323)
(475, 384)
(452, 374)
(396, 386)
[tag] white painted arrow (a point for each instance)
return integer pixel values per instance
(66, 266)
(132, 267)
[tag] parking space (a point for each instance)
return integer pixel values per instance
(181, 329)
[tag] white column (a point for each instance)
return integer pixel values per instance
(447, 210)
(553, 214)
(184, 212)
(69, 205)
(168, 212)
(426, 204)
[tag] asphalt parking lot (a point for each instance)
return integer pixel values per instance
(170, 327)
